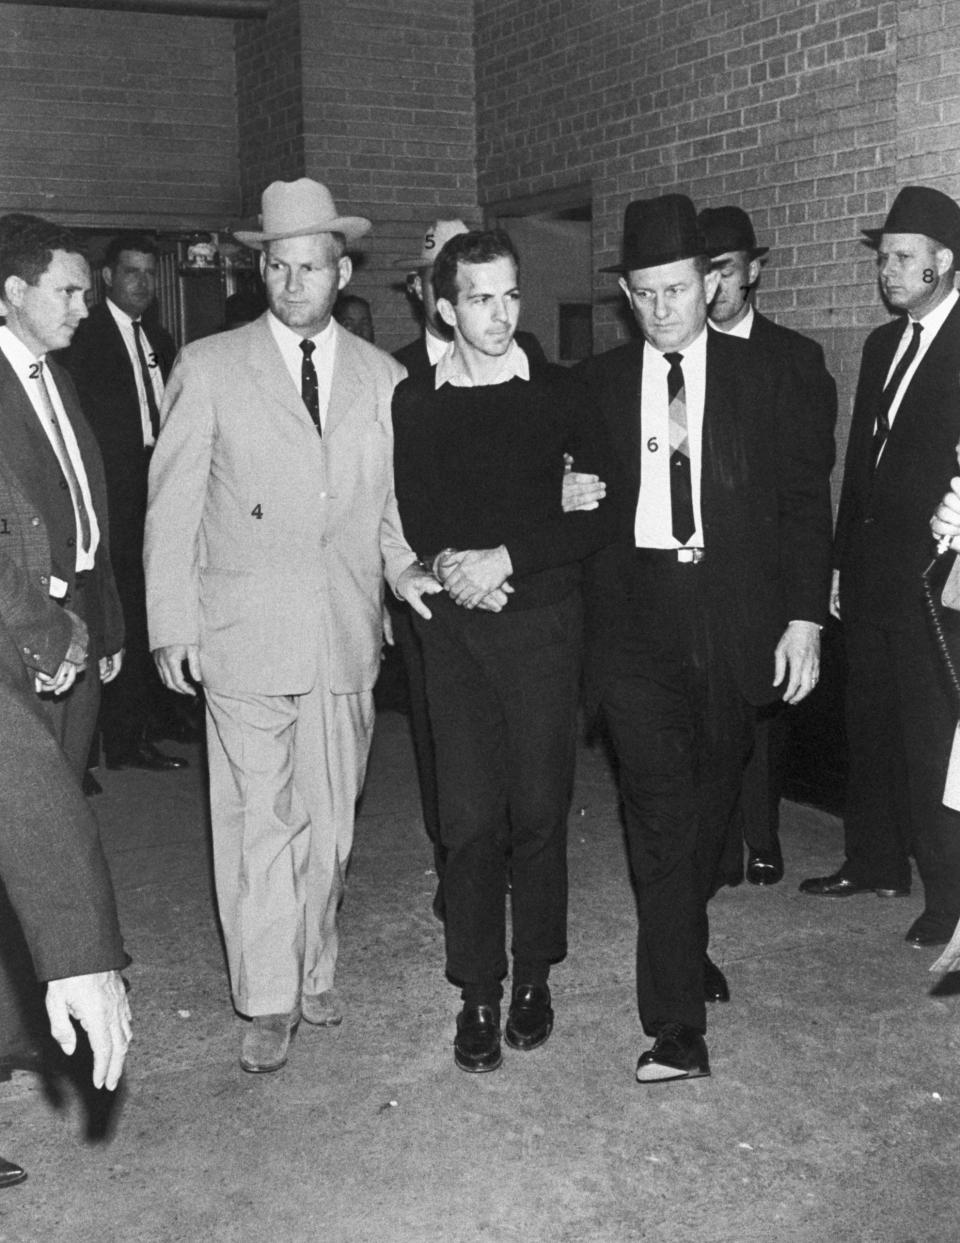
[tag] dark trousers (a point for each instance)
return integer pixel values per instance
(900, 725)
(756, 815)
(681, 732)
(73, 716)
(502, 691)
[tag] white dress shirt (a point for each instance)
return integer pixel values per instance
(932, 323)
(514, 365)
(125, 324)
(23, 362)
(652, 526)
(436, 347)
(323, 356)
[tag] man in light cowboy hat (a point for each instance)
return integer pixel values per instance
(708, 604)
(272, 521)
(735, 255)
(900, 457)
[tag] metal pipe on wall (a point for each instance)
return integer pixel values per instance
(181, 8)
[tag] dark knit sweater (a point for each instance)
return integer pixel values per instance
(480, 467)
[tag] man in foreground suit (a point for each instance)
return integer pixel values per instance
(271, 522)
(54, 534)
(900, 458)
(119, 365)
(53, 869)
(733, 250)
(708, 604)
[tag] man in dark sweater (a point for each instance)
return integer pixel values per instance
(479, 445)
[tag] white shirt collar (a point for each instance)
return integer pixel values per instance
(17, 355)
(694, 355)
(514, 365)
(123, 319)
(436, 347)
(287, 339)
(933, 321)
(742, 329)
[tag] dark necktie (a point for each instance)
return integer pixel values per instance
(681, 487)
(147, 380)
(73, 483)
(308, 383)
(890, 392)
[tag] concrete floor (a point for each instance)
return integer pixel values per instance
(833, 1113)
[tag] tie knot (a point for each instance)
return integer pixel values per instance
(917, 329)
(674, 359)
(307, 346)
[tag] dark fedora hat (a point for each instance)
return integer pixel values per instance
(729, 228)
(657, 231)
(921, 209)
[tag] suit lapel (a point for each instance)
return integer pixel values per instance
(938, 366)
(347, 386)
(266, 362)
(25, 446)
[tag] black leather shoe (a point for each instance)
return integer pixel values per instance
(477, 1045)
(679, 1052)
(90, 785)
(931, 928)
(11, 1174)
(840, 886)
(764, 867)
(146, 755)
(530, 1020)
(715, 986)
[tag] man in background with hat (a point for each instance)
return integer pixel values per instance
(272, 521)
(736, 257)
(900, 458)
(707, 606)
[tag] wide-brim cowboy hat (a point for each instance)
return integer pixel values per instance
(299, 209)
(434, 240)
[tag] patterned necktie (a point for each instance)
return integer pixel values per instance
(308, 383)
(681, 487)
(147, 380)
(890, 392)
(66, 463)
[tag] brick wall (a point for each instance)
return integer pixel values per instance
(809, 115)
(269, 101)
(389, 125)
(114, 119)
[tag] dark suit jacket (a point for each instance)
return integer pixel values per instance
(38, 531)
(51, 861)
(806, 358)
(101, 369)
(883, 539)
(414, 355)
(765, 503)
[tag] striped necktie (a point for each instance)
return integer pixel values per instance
(681, 486)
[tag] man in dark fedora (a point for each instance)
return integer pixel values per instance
(901, 455)
(736, 257)
(271, 523)
(707, 606)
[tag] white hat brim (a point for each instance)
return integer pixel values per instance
(352, 228)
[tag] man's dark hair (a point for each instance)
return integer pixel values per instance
(477, 246)
(27, 244)
(137, 242)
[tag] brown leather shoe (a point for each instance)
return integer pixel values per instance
(322, 1009)
(266, 1041)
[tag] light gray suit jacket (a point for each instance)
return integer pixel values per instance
(266, 545)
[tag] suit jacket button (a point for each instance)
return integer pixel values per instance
(868, 522)
(44, 580)
(34, 522)
(71, 542)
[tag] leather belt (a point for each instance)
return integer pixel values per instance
(686, 556)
